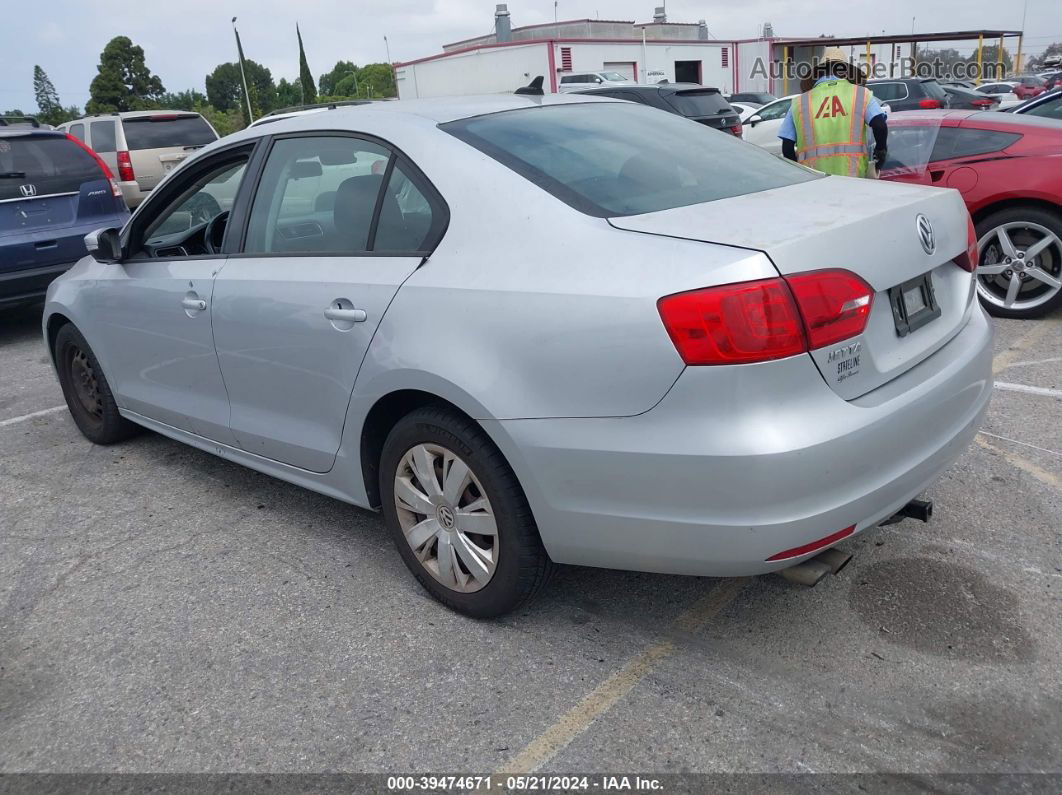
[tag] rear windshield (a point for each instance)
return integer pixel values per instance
(753, 97)
(698, 103)
(934, 89)
(613, 159)
(162, 132)
(32, 166)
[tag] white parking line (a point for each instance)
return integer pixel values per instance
(1031, 390)
(31, 415)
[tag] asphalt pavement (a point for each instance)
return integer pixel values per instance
(164, 610)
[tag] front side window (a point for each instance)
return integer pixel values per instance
(317, 195)
(614, 159)
(1048, 110)
(78, 131)
(778, 110)
(615, 77)
(180, 227)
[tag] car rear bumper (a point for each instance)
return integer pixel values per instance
(29, 285)
(737, 464)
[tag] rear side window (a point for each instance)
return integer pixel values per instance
(934, 89)
(888, 91)
(102, 135)
(613, 159)
(698, 103)
(40, 166)
(964, 142)
(163, 132)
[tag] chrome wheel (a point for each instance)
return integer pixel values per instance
(1020, 265)
(446, 517)
(86, 387)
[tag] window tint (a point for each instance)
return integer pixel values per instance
(614, 159)
(1048, 110)
(51, 164)
(886, 91)
(776, 110)
(78, 131)
(102, 135)
(164, 131)
(615, 77)
(317, 195)
(208, 196)
(966, 141)
(698, 103)
(405, 216)
(934, 89)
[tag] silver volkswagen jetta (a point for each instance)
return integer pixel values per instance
(537, 330)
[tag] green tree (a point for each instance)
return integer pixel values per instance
(224, 88)
(183, 100)
(309, 90)
(377, 80)
(49, 108)
(224, 121)
(327, 82)
(288, 94)
(123, 81)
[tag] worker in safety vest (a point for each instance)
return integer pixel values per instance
(826, 127)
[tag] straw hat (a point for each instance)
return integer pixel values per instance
(834, 61)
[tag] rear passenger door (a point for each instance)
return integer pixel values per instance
(336, 224)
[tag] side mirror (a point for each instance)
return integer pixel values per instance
(753, 120)
(104, 245)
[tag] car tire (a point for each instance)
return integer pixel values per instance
(433, 509)
(1027, 226)
(87, 393)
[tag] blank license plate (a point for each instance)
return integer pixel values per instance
(913, 304)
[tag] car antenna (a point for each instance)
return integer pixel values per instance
(534, 88)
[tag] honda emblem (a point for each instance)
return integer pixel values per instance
(28, 190)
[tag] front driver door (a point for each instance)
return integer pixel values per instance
(154, 307)
(337, 223)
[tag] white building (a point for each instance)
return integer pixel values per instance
(649, 53)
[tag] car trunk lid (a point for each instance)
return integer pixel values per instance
(867, 227)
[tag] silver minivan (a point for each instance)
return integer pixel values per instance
(142, 146)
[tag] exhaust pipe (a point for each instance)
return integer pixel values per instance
(922, 510)
(810, 572)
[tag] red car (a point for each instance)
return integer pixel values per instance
(1029, 86)
(1008, 169)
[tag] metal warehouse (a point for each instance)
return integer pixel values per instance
(646, 53)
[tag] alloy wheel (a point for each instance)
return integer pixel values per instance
(446, 517)
(1020, 265)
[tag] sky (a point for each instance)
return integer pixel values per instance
(183, 41)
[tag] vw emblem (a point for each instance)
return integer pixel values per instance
(28, 190)
(925, 234)
(446, 517)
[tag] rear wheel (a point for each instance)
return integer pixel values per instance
(458, 515)
(87, 393)
(1019, 273)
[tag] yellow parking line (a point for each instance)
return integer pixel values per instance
(579, 718)
(1024, 464)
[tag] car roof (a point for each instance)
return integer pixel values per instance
(36, 132)
(986, 119)
(133, 114)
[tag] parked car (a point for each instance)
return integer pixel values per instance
(53, 191)
(1007, 168)
(1048, 106)
(23, 121)
(959, 84)
(966, 98)
(1029, 86)
(299, 110)
(700, 103)
(606, 394)
(584, 80)
(910, 93)
(142, 146)
(1052, 80)
(1004, 91)
(754, 98)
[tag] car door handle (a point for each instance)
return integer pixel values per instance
(194, 304)
(347, 315)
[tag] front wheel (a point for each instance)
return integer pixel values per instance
(87, 393)
(458, 516)
(1019, 272)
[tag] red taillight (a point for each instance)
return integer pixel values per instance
(734, 324)
(981, 103)
(929, 104)
(835, 305)
(736, 130)
(769, 319)
(968, 259)
(796, 552)
(115, 190)
(125, 167)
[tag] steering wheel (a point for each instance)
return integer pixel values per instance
(214, 233)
